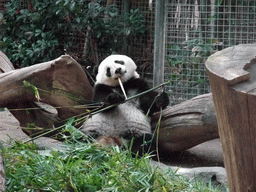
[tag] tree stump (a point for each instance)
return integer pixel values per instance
(232, 74)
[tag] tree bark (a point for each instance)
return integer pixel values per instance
(187, 124)
(61, 83)
(232, 75)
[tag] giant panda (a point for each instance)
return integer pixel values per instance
(130, 119)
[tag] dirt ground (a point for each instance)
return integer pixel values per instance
(203, 155)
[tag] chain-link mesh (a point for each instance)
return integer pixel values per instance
(195, 30)
(139, 47)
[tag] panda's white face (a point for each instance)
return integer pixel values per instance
(115, 66)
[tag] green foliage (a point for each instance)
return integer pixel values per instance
(28, 36)
(40, 30)
(192, 51)
(187, 63)
(71, 134)
(35, 90)
(87, 167)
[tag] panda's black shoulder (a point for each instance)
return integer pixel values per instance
(136, 83)
(101, 91)
(98, 87)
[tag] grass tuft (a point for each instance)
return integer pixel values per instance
(87, 167)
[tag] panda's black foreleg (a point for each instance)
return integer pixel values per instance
(161, 101)
(113, 98)
(105, 94)
(153, 102)
(143, 144)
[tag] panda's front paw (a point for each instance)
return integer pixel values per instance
(113, 98)
(162, 101)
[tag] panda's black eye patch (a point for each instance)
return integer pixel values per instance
(108, 72)
(119, 61)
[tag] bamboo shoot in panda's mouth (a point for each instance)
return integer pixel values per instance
(122, 87)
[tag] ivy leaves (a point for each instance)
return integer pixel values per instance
(40, 30)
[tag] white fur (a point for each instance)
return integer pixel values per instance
(128, 69)
(126, 117)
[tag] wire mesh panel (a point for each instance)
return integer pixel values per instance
(138, 47)
(88, 30)
(195, 30)
(142, 49)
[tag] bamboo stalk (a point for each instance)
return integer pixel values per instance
(98, 111)
(122, 87)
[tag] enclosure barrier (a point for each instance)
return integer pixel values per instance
(232, 75)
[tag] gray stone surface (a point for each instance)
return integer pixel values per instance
(217, 175)
(203, 155)
(10, 131)
(9, 128)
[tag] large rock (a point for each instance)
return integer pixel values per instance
(217, 175)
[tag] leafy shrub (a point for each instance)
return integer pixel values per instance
(40, 30)
(188, 76)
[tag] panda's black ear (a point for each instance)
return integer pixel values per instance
(95, 70)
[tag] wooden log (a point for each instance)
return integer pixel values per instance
(232, 74)
(187, 124)
(61, 83)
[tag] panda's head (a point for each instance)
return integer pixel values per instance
(115, 66)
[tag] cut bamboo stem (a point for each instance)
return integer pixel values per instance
(122, 87)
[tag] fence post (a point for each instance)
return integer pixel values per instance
(159, 44)
(232, 75)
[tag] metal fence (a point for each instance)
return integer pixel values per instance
(140, 48)
(195, 30)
